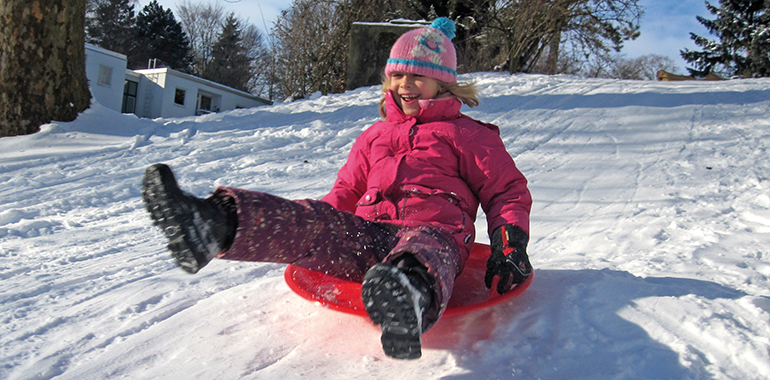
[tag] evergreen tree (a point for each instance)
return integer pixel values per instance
(111, 25)
(160, 36)
(230, 61)
(743, 28)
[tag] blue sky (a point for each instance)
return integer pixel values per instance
(665, 27)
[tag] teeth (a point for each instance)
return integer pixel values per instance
(409, 97)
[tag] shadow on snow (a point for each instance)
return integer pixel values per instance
(567, 326)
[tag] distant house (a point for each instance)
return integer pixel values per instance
(106, 72)
(669, 77)
(154, 93)
(169, 93)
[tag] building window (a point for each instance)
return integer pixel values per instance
(105, 75)
(179, 96)
(129, 96)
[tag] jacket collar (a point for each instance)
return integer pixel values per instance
(447, 108)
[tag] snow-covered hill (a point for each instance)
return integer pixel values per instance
(650, 238)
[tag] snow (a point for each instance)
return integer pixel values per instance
(650, 239)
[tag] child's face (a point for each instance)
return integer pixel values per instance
(408, 88)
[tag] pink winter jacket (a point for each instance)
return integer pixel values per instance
(434, 168)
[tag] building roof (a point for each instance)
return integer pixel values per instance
(106, 52)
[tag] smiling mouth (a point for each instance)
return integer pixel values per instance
(409, 97)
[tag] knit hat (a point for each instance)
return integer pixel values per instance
(426, 51)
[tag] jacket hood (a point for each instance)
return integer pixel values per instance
(447, 108)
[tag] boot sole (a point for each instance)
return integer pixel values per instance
(389, 302)
(165, 202)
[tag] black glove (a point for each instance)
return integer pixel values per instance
(509, 258)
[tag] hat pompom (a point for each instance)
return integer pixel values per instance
(445, 25)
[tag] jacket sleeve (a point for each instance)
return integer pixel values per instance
(492, 175)
(351, 180)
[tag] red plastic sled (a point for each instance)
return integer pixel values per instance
(469, 293)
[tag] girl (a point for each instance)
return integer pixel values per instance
(400, 217)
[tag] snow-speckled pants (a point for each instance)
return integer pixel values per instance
(314, 235)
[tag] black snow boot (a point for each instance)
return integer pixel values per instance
(396, 297)
(197, 229)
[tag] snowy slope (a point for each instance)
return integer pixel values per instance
(650, 238)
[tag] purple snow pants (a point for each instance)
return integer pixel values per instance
(314, 235)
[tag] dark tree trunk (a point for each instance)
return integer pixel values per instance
(552, 64)
(42, 64)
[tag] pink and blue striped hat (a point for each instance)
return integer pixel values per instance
(426, 51)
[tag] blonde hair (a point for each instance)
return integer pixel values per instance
(464, 92)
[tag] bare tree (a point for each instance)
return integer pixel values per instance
(599, 28)
(202, 23)
(42, 63)
(310, 43)
(572, 64)
(266, 82)
(254, 45)
(517, 32)
(523, 29)
(642, 68)
(620, 67)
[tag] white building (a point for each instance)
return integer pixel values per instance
(106, 73)
(154, 93)
(169, 93)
